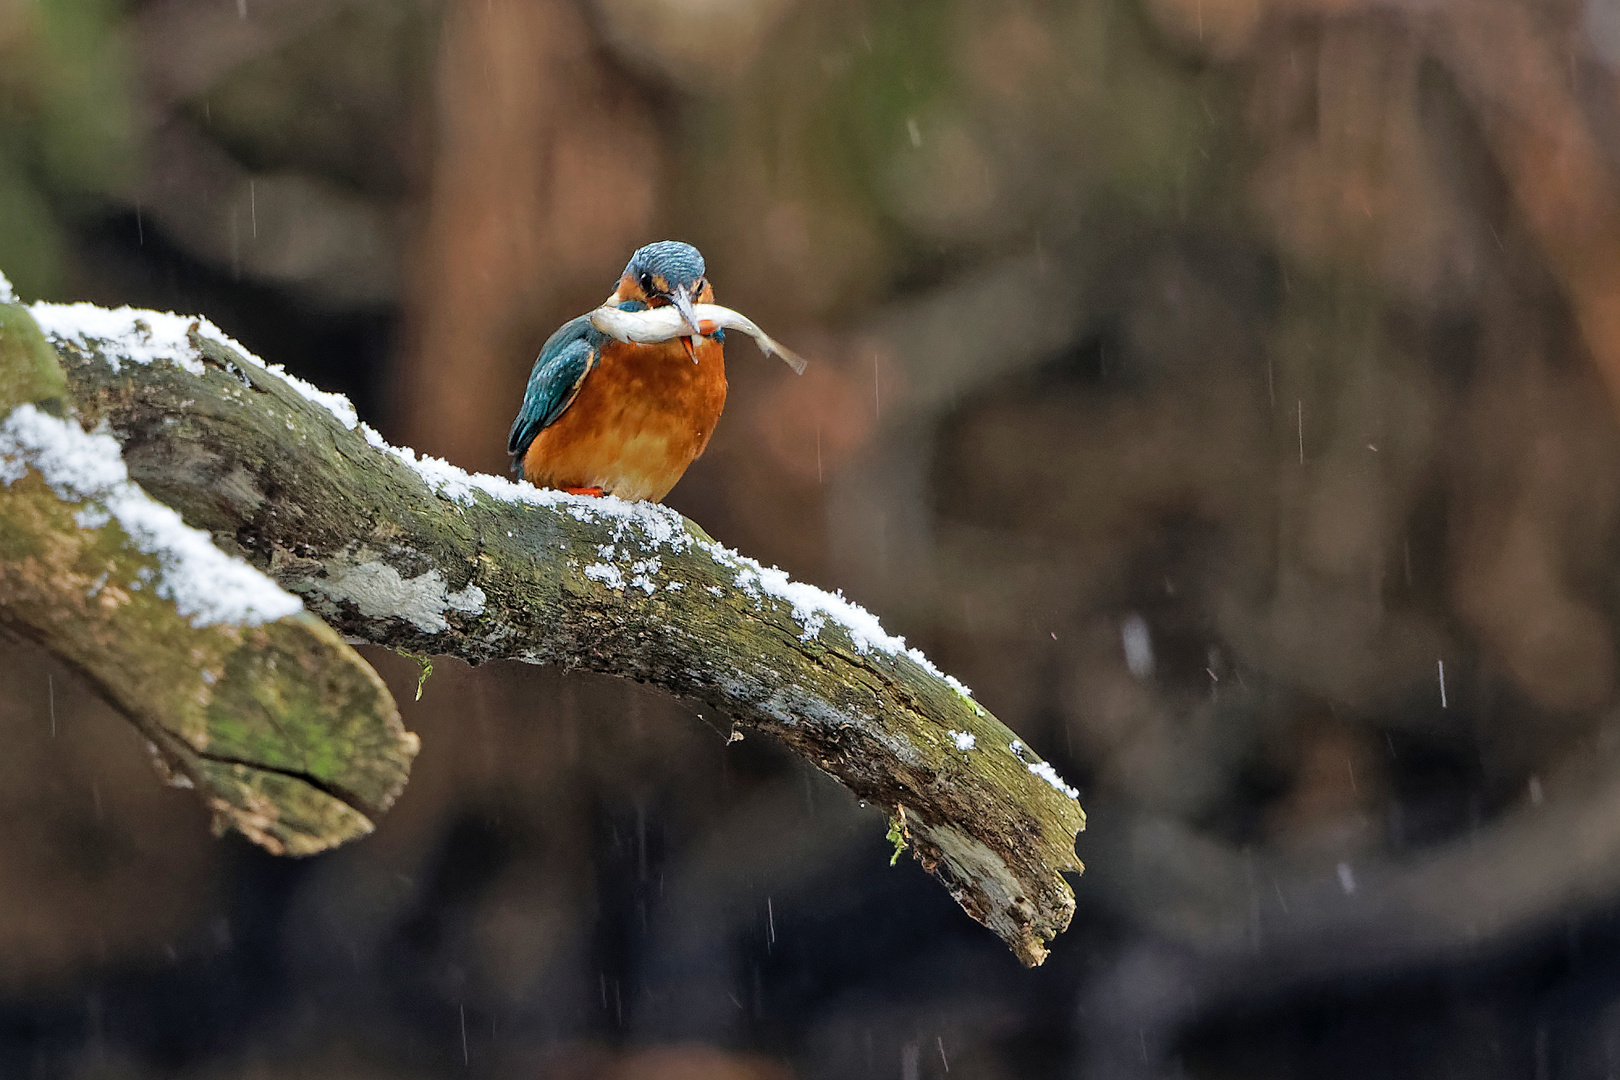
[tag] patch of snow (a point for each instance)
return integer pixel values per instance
(652, 524)
(136, 336)
(964, 740)
(207, 586)
(126, 334)
(1044, 771)
(374, 437)
(91, 517)
(642, 572)
(814, 608)
(76, 465)
(337, 404)
(1050, 775)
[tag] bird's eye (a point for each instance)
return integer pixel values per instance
(646, 283)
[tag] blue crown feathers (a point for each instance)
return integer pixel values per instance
(676, 262)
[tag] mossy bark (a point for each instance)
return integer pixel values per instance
(383, 558)
(286, 733)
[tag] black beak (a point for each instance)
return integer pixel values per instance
(682, 299)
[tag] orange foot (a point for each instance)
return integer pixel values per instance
(594, 492)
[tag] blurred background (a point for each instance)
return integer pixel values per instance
(1225, 389)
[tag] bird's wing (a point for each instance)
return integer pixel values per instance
(567, 357)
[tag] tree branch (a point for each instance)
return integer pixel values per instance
(286, 732)
(422, 557)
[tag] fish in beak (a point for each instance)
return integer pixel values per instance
(657, 324)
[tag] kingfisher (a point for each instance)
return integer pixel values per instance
(602, 416)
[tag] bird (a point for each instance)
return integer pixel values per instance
(602, 416)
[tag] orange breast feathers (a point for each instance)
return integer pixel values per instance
(642, 415)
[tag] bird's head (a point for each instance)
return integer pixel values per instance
(668, 272)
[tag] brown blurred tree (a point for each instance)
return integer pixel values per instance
(547, 169)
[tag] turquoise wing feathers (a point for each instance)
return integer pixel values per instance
(565, 360)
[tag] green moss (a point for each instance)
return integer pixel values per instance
(28, 367)
(424, 665)
(897, 835)
(281, 813)
(287, 701)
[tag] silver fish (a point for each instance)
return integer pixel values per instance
(666, 324)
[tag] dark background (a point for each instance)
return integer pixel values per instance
(1225, 389)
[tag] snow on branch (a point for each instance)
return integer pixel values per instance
(207, 586)
(415, 554)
